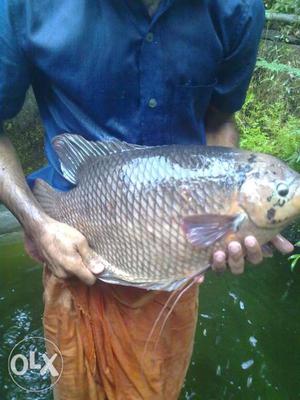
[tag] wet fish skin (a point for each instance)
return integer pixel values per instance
(157, 214)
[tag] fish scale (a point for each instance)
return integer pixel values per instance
(155, 215)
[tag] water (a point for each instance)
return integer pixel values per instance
(248, 338)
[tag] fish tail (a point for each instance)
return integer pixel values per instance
(47, 197)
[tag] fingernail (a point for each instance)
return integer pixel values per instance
(234, 248)
(96, 267)
(289, 248)
(250, 242)
(97, 270)
(219, 257)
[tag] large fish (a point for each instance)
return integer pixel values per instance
(156, 214)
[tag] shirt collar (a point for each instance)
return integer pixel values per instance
(140, 15)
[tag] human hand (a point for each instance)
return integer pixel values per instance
(65, 251)
(250, 250)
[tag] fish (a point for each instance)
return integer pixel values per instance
(156, 214)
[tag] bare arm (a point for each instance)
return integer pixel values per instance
(14, 192)
(222, 131)
(63, 248)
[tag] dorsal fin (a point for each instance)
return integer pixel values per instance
(74, 151)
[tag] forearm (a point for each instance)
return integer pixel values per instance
(14, 191)
(221, 129)
(63, 248)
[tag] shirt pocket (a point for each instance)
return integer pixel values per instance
(189, 106)
(195, 96)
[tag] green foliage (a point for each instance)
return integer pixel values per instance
(266, 128)
(295, 258)
(286, 31)
(283, 6)
(278, 67)
(270, 119)
(26, 133)
(277, 75)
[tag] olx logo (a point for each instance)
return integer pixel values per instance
(32, 368)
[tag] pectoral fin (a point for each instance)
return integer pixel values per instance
(204, 230)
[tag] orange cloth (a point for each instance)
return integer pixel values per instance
(102, 331)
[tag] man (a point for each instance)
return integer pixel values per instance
(161, 72)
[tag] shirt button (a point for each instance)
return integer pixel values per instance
(152, 103)
(149, 37)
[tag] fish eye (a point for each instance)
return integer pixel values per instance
(282, 189)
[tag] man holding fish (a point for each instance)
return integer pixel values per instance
(146, 72)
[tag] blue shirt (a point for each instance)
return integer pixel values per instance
(106, 68)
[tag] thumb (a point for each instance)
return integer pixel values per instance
(282, 244)
(90, 258)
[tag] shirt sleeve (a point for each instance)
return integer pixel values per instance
(238, 64)
(14, 68)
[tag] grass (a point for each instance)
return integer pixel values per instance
(283, 6)
(270, 119)
(270, 129)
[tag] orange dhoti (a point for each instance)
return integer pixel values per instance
(102, 332)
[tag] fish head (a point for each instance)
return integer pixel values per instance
(270, 194)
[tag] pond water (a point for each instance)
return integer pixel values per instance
(248, 337)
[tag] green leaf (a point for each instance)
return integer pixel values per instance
(278, 67)
(294, 258)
